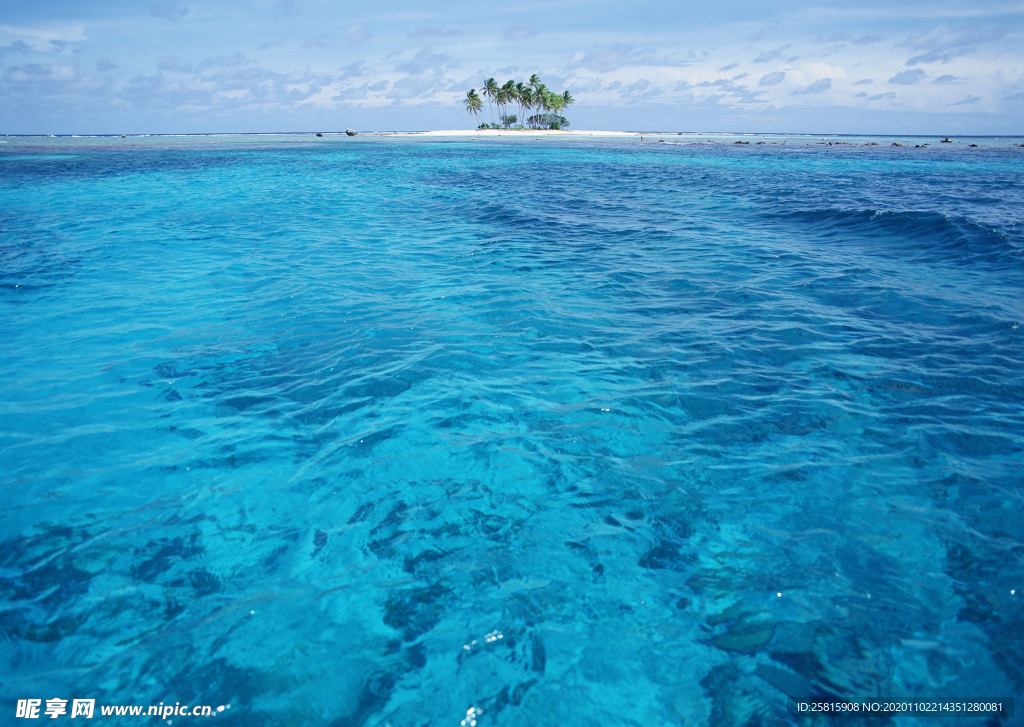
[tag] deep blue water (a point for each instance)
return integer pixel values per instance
(567, 433)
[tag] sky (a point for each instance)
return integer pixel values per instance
(804, 66)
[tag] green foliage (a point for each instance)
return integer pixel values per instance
(547, 121)
(528, 96)
(473, 103)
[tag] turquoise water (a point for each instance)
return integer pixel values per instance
(563, 433)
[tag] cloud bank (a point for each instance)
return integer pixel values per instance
(210, 64)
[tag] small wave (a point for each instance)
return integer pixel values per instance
(924, 235)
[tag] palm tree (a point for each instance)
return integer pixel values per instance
(557, 104)
(507, 94)
(500, 99)
(521, 91)
(490, 90)
(473, 103)
(544, 96)
(529, 95)
(526, 99)
(513, 97)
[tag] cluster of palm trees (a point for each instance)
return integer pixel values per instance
(528, 96)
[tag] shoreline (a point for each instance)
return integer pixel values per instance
(511, 132)
(67, 142)
(691, 138)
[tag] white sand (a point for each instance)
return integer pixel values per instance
(523, 133)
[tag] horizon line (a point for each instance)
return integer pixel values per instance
(46, 135)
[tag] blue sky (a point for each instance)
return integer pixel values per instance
(112, 66)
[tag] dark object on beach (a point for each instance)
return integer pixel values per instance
(895, 143)
(350, 132)
(945, 140)
(741, 142)
(679, 133)
(319, 134)
(123, 136)
(974, 145)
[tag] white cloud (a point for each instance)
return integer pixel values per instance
(615, 56)
(944, 43)
(772, 55)
(908, 77)
(609, 67)
(357, 34)
(819, 86)
(423, 62)
(44, 39)
(39, 72)
(416, 88)
(807, 72)
(361, 92)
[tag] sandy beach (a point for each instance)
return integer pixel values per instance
(711, 137)
(515, 132)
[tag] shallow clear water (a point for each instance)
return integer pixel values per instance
(569, 433)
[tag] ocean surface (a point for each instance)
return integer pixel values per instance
(396, 431)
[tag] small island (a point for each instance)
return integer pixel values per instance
(527, 96)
